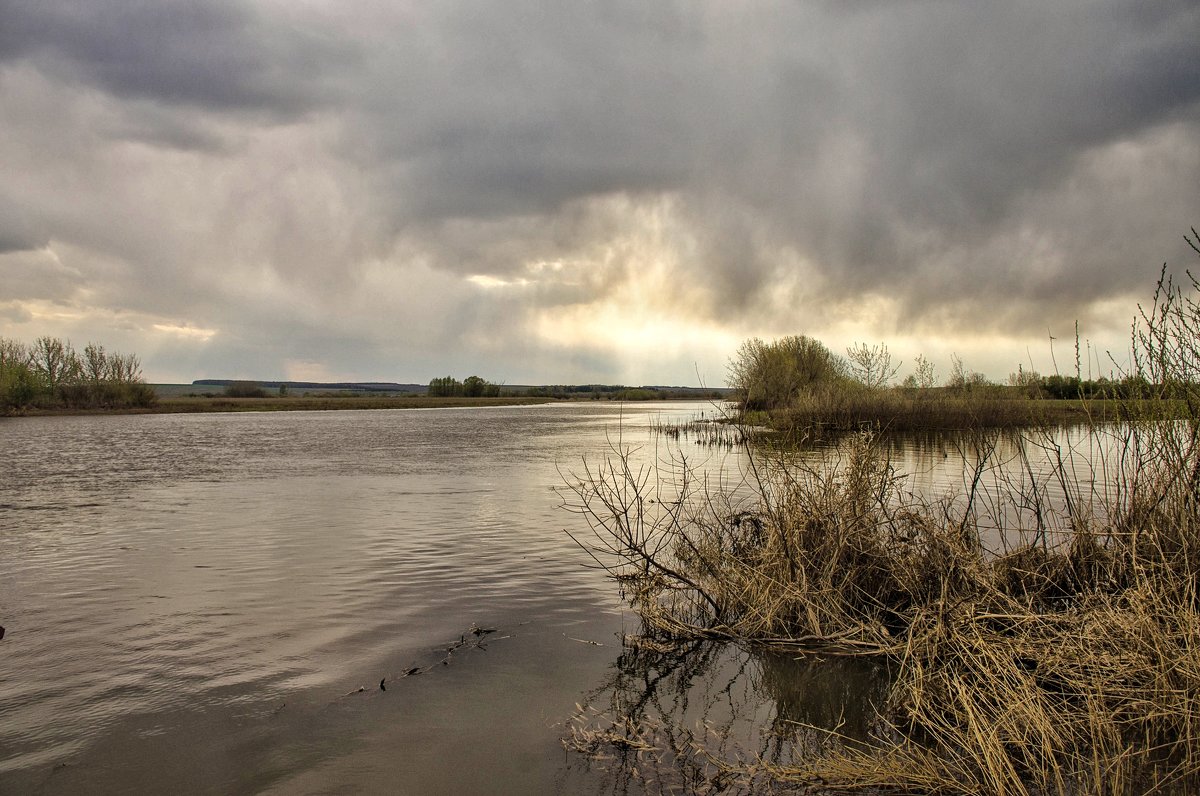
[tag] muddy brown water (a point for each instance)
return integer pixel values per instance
(192, 604)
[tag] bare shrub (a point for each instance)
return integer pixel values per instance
(872, 365)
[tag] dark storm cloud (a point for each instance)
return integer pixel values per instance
(972, 163)
(486, 111)
(219, 55)
(985, 107)
(871, 141)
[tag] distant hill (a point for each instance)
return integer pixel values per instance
(607, 391)
(615, 388)
(354, 386)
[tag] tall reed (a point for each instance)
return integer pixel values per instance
(1067, 661)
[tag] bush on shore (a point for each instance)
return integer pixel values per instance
(50, 374)
(246, 389)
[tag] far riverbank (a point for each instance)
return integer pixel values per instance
(197, 404)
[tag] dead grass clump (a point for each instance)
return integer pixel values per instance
(1035, 575)
(834, 554)
(1099, 698)
(1068, 664)
(845, 409)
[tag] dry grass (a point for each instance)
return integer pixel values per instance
(1070, 664)
(1066, 661)
(898, 409)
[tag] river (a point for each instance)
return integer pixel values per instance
(209, 603)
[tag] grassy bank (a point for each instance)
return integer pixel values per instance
(840, 410)
(796, 383)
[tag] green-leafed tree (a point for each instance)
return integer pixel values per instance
(445, 386)
(922, 376)
(962, 379)
(51, 374)
(55, 362)
(18, 379)
(473, 386)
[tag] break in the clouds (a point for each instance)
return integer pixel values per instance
(570, 192)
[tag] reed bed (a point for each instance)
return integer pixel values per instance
(1065, 662)
(843, 408)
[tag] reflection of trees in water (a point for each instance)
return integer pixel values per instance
(698, 716)
(640, 732)
(1001, 469)
(842, 693)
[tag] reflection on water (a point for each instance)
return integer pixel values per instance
(837, 693)
(193, 602)
(1022, 486)
(662, 717)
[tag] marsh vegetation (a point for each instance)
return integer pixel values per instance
(797, 385)
(1041, 629)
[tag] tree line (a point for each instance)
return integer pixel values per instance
(50, 374)
(470, 387)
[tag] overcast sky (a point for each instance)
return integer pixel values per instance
(577, 192)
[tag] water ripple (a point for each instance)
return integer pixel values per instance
(186, 590)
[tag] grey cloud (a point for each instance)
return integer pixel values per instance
(221, 55)
(151, 124)
(490, 111)
(35, 275)
(953, 158)
(946, 117)
(15, 313)
(995, 102)
(18, 231)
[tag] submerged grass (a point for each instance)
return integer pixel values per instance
(708, 433)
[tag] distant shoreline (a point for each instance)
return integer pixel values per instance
(218, 403)
(222, 404)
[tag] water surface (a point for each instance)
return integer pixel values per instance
(193, 602)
